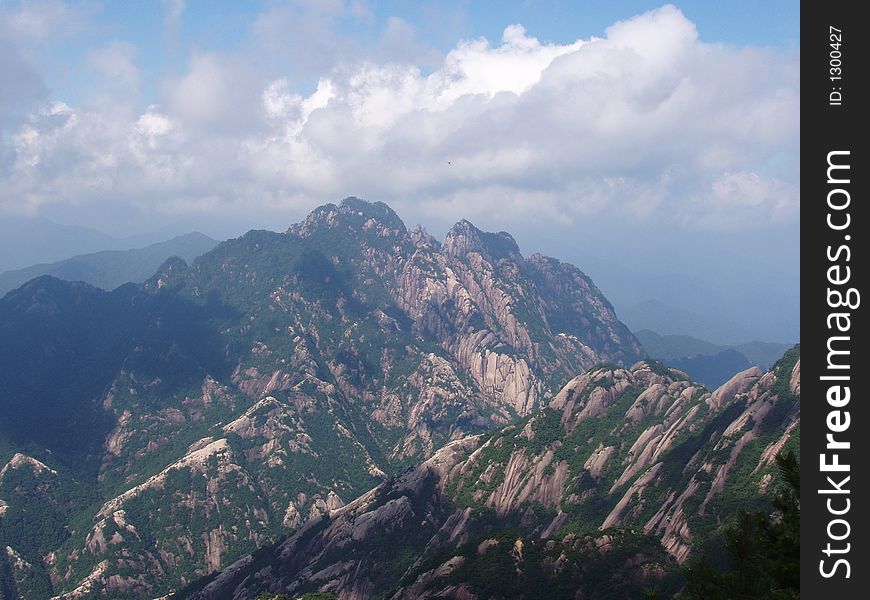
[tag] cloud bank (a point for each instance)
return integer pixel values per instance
(645, 123)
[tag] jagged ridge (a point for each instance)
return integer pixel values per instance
(319, 360)
(679, 463)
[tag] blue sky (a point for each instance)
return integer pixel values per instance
(627, 137)
(162, 41)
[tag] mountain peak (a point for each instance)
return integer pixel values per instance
(45, 293)
(464, 238)
(374, 345)
(353, 213)
(19, 461)
(171, 269)
(422, 238)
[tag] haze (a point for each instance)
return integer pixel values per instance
(656, 147)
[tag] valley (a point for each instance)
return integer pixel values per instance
(221, 405)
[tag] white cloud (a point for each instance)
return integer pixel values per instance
(647, 122)
(116, 63)
(200, 96)
(738, 197)
(41, 20)
(476, 68)
(23, 27)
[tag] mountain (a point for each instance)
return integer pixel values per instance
(669, 320)
(573, 499)
(706, 362)
(27, 241)
(762, 354)
(220, 405)
(669, 347)
(712, 370)
(112, 268)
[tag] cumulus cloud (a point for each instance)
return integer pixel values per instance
(646, 122)
(217, 92)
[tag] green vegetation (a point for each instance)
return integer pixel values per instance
(783, 369)
(66, 343)
(308, 596)
(763, 550)
(513, 566)
(110, 389)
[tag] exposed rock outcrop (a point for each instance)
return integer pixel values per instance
(670, 455)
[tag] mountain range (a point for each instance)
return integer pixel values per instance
(675, 347)
(670, 320)
(27, 241)
(709, 363)
(361, 409)
(109, 269)
(601, 494)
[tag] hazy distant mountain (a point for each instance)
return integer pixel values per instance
(762, 354)
(110, 268)
(705, 362)
(669, 320)
(25, 242)
(712, 370)
(670, 347)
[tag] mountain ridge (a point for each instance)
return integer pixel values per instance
(109, 269)
(271, 380)
(709, 363)
(426, 534)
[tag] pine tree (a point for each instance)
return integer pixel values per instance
(764, 550)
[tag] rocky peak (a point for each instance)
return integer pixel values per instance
(48, 296)
(171, 269)
(634, 453)
(738, 384)
(372, 210)
(553, 268)
(352, 214)
(329, 355)
(423, 239)
(464, 238)
(19, 461)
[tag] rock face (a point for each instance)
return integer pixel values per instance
(515, 324)
(222, 404)
(678, 462)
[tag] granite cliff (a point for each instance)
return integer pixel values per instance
(600, 494)
(222, 405)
